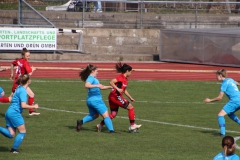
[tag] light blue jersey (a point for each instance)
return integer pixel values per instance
(221, 156)
(229, 87)
(93, 93)
(20, 95)
(1, 90)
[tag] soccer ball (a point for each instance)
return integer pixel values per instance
(132, 131)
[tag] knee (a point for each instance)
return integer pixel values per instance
(96, 116)
(113, 114)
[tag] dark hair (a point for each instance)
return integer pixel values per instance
(23, 79)
(122, 68)
(24, 50)
(228, 145)
(87, 71)
(222, 72)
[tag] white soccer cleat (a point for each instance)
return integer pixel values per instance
(135, 126)
(99, 128)
(34, 114)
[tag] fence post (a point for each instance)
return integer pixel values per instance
(196, 13)
(141, 18)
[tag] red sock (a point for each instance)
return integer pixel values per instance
(4, 100)
(31, 102)
(131, 116)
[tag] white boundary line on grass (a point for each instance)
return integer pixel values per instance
(144, 120)
(158, 122)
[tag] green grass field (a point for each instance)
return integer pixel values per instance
(176, 124)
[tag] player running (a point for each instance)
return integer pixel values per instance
(229, 87)
(23, 67)
(116, 98)
(13, 116)
(95, 103)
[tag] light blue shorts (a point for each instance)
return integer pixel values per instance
(13, 118)
(231, 107)
(96, 107)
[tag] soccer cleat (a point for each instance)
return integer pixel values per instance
(135, 126)
(220, 135)
(34, 114)
(79, 125)
(14, 151)
(99, 128)
(112, 132)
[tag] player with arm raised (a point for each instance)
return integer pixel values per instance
(116, 98)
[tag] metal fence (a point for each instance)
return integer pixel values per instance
(140, 14)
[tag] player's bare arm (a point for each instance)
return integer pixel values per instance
(219, 97)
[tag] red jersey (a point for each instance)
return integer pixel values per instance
(23, 67)
(122, 83)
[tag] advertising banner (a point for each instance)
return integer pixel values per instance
(31, 38)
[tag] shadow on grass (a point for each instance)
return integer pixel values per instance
(213, 133)
(4, 149)
(2, 114)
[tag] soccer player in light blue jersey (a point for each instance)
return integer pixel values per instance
(2, 93)
(13, 116)
(95, 103)
(228, 146)
(229, 87)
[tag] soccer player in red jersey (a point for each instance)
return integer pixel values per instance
(116, 98)
(23, 67)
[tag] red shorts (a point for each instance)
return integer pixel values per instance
(15, 85)
(117, 101)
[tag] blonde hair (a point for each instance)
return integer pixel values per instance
(23, 79)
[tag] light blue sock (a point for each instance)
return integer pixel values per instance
(88, 118)
(18, 140)
(234, 118)
(108, 123)
(222, 124)
(5, 132)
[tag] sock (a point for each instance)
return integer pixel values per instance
(234, 118)
(108, 123)
(111, 116)
(131, 116)
(222, 124)
(5, 132)
(31, 102)
(88, 118)
(18, 140)
(4, 100)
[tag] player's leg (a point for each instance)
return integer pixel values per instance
(221, 120)
(19, 138)
(9, 131)
(131, 116)
(102, 109)
(31, 102)
(114, 110)
(233, 116)
(93, 114)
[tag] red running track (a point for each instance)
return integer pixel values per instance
(141, 70)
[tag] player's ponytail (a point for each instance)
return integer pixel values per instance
(23, 79)
(122, 68)
(222, 72)
(86, 72)
(228, 145)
